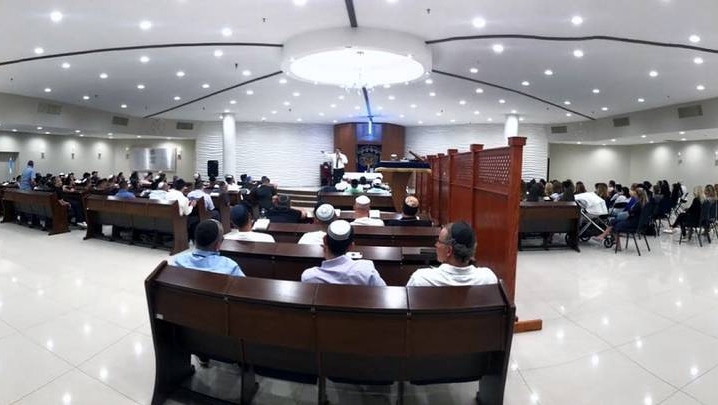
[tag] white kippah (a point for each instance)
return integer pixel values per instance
(324, 212)
(363, 200)
(339, 230)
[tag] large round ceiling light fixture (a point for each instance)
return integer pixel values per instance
(356, 57)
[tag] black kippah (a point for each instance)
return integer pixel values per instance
(462, 234)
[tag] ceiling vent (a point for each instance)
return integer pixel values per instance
(47, 108)
(621, 122)
(185, 126)
(690, 111)
(121, 121)
(562, 129)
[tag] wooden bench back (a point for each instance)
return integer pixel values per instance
(363, 235)
(382, 202)
(40, 203)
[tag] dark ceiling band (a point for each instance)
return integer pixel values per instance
(139, 47)
(575, 39)
(513, 91)
(368, 105)
(352, 13)
(214, 94)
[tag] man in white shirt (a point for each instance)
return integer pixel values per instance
(455, 251)
(362, 206)
(198, 193)
(338, 160)
(177, 194)
(241, 217)
(338, 268)
(161, 191)
(324, 215)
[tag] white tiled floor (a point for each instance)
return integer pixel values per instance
(618, 329)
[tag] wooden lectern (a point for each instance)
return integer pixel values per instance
(397, 175)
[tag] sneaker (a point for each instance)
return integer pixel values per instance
(668, 230)
(82, 225)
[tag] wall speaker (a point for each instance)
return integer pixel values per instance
(213, 168)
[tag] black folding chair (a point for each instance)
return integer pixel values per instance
(643, 221)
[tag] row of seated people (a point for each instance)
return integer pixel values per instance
(358, 186)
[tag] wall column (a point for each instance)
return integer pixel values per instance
(511, 126)
(229, 146)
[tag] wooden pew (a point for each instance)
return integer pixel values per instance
(356, 334)
(40, 203)
(224, 210)
(550, 217)
(287, 261)
(349, 215)
(138, 214)
(363, 235)
(343, 201)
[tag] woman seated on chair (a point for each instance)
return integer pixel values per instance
(629, 222)
(692, 215)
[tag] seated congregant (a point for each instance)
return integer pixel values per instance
(338, 268)
(455, 249)
(205, 256)
(409, 209)
(241, 217)
(124, 191)
(283, 211)
(362, 206)
(323, 215)
(354, 188)
(176, 193)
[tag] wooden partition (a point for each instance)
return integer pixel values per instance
(481, 186)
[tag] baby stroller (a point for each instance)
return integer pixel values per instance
(593, 223)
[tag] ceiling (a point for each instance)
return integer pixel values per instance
(619, 69)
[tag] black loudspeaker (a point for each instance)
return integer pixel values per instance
(213, 168)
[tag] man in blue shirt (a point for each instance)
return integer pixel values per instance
(208, 238)
(27, 179)
(124, 191)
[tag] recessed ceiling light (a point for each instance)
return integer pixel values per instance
(263, 118)
(502, 101)
(335, 121)
(299, 119)
(412, 105)
(497, 48)
(521, 118)
(145, 25)
(578, 53)
(548, 72)
(525, 83)
(274, 112)
(401, 115)
(462, 102)
(613, 140)
(56, 16)
(474, 70)
(249, 92)
(141, 86)
(226, 111)
(341, 97)
(227, 32)
(420, 122)
(650, 142)
(479, 90)
(177, 98)
(477, 112)
(139, 136)
(321, 114)
(123, 106)
(513, 111)
(429, 81)
(452, 120)
(232, 101)
(77, 131)
(110, 134)
(14, 130)
(683, 139)
(438, 114)
(282, 81)
(104, 75)
(38, 51)
(682, 132)
(478, 22)
(180, 73)
(567, 102)
(39, 128)
(82, 135)
(85, 97)
(604, 108)
(246, 72)
(300, 2)
(653, 73)
(641, 100)
(144, 59)
(643, 136)
(287, 103)
(568, 114)
(578, 143)
(48, 90)
(218, 53)
(387, 86)
(380, 108)
(577, 20)
(698, 61)
(391, 97)
(356, 107)
(700, 87)
(47, 132)
(65, 65)
(489, 119)
(333, 105)
(296, 94)
(432, 94)
(596, 91)
(694, 38)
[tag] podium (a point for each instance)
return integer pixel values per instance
(397, 175)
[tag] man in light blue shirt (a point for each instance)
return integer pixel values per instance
(338, 268)
(208, 238)
(27, 180)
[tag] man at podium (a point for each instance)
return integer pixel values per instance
(337, 160)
